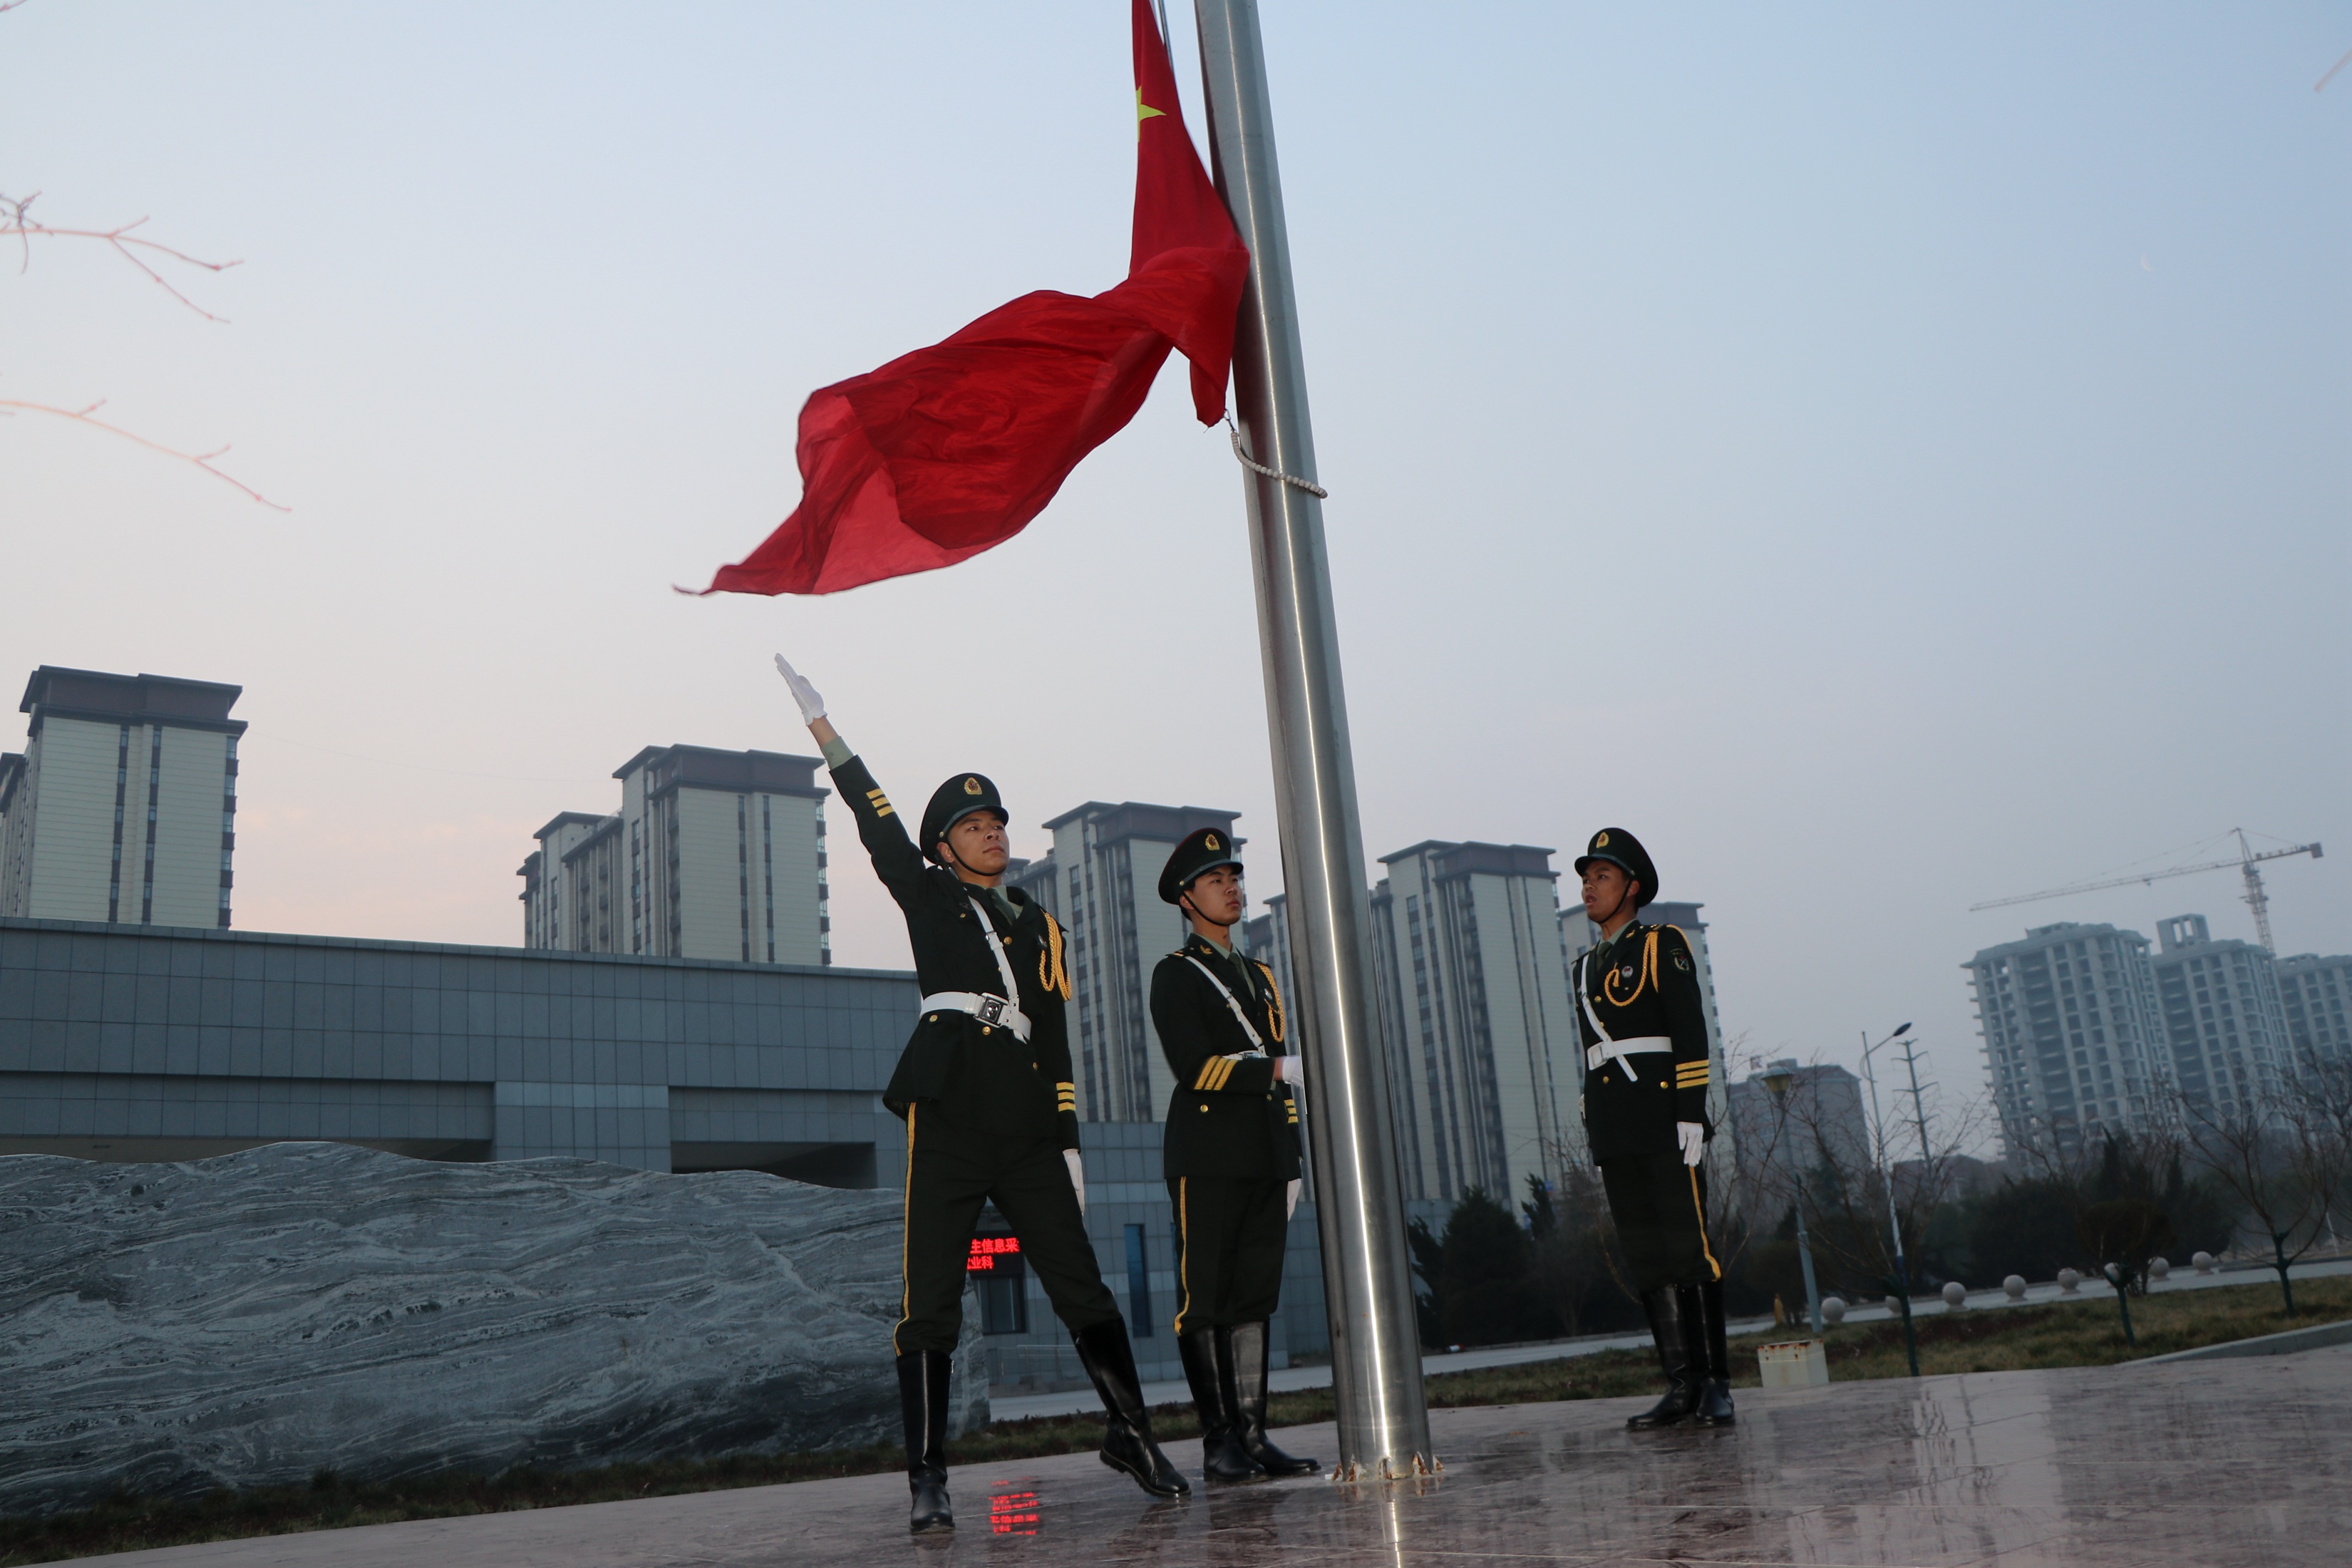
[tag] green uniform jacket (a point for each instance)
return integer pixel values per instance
(980, 1076)
(1228, 1117)
(1645, 984)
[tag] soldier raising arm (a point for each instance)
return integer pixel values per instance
(985, 1087)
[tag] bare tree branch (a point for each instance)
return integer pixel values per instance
(125, 244)
(201, 459)
(2284, 1155)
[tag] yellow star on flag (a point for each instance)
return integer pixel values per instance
(1143, 111)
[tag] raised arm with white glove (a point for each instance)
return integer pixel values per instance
(812, 705)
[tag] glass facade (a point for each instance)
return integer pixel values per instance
(170, 1044)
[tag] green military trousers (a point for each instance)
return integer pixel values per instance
(1230, 1232)
(1660, 1207)
(951, 1171)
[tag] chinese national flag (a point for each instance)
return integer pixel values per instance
(949, 450)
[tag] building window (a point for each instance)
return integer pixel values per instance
(1000, 1277)
(1138, 1286)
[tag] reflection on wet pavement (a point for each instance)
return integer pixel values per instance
(2212, 1463)
(1011, 1512)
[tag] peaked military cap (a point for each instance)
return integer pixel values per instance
(1203, 850)
(955, 800)
(1624, 852)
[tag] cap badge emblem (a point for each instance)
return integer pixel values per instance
(1210, 842)
(972, 786)
(1601, 839)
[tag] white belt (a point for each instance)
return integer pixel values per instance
(1641, 1044)
(986, 1008)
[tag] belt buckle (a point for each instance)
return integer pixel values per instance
(991, 1009)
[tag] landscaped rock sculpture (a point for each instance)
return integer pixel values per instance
(254, 1318)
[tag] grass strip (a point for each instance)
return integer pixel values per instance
(2055, 1334)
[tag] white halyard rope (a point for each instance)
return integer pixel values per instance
(1246, 461)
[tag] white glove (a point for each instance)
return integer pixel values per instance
(1692, 1136)
(1078, 1176)
(812, 705)
(1290, 1199)
(1290, 1070)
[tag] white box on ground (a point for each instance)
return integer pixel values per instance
(1797, 1363)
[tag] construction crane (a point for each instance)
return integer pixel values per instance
(2256, 900)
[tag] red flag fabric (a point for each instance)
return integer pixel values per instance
(944, 452)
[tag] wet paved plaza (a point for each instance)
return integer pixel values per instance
(2210, 1463)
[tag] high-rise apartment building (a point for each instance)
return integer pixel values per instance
(718, 855)
(1476, 1016)
(2223, 1020)
(1101, 880)
(2312, 991)
(2074, 1040)
(123, 806)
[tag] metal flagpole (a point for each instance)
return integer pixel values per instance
(1358, 1202)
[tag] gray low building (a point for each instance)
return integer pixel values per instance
(1814, 1131)
(155, 1043)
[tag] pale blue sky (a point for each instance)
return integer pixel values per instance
(1887, 457)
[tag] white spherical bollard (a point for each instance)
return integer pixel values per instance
(2158, 1268)
(2067, 1280)
(1832, 1311)
(2202, 1263)
(1956, 1295)
(2014, 1287)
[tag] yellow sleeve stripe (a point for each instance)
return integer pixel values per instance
(879, 801)
(1213, 1073)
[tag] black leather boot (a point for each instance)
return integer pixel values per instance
(1223, 1457)
(1714, 1391)
(923, 1402)
(1677, 1357)
(1110, 1361)
(1244, 1360)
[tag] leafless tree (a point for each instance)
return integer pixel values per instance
(1858, 1191)
(1574, 1252)
(2282, 1154)
(149, 257)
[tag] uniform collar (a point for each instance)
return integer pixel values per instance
(1210, 945)
(1010, 903)
(1231, 958)
(1608, 944)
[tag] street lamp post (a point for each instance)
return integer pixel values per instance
(1778, 1082)
(1902, 1280)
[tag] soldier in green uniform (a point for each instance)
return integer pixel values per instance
(1231, 1156)
(990, 1110)
(1643, 1028)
